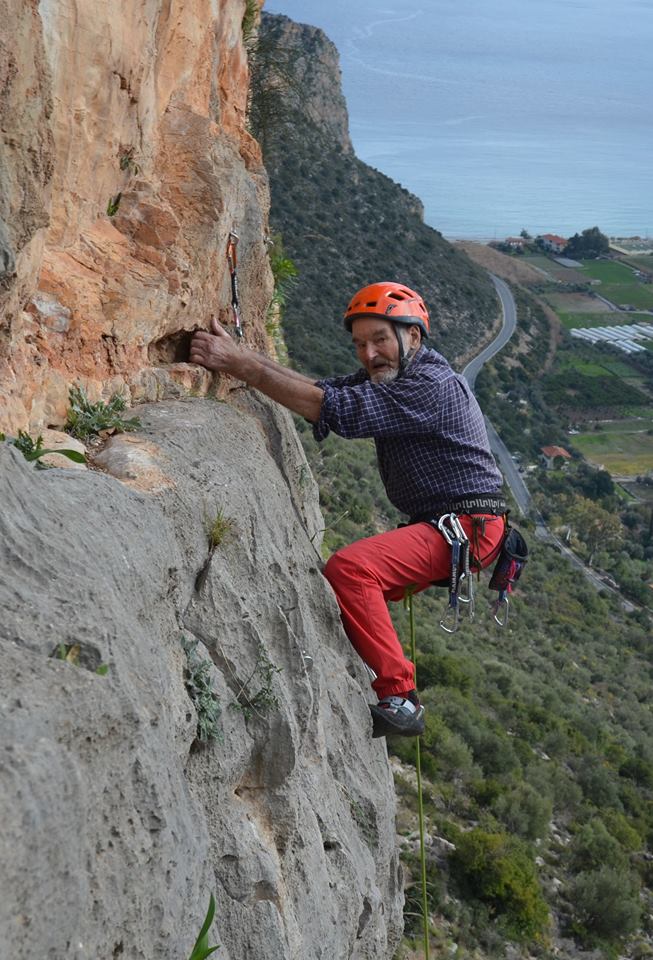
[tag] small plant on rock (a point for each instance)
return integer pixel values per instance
(70, 653)
(86, 419)
(113, 205)
(128, 162)
(265, 698)
(219, 529)
(200, 690)
(250, 22)
(201, 950)
(33, 450)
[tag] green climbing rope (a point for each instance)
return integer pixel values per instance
(408, 600)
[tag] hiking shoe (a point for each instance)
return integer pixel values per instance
(396, 716)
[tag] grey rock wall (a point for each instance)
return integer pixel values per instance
(116, 822)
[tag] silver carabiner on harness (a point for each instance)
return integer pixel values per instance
(497, 605)
(466, 581)
(449, 621)
(442, 527)
(461, 583)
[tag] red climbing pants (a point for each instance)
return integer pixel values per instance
(369, 573)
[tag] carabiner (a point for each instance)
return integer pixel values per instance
(466, 586)
(452, 615)
(501, 602)
(442, 522)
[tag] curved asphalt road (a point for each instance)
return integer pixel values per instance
(513, 478)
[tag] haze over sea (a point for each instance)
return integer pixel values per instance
(502, 114)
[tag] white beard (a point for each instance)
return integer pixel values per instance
(384, 376)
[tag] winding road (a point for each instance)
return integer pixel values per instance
(513, 478)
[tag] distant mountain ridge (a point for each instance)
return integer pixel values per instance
(344, 223)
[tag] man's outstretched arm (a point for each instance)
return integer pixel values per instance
(217, 351)
(291, 374)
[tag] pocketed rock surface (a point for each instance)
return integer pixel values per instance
(117, 822)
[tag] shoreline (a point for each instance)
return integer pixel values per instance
(499, 239)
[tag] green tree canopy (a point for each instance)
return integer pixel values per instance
(588, 245)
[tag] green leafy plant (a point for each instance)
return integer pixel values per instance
(127, 162)
(33, 450)
(498, 870)
(200, 690)
(284, 271)
(220, 528)
(201, 950)
(86, 419)
(250, 20)
(113, 204)
(70, 653)
(285, 276)
(265, 698)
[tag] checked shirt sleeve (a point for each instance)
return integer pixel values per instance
(407, 406)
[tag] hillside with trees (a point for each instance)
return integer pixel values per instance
(538, 750)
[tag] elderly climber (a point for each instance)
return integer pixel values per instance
(433, 456)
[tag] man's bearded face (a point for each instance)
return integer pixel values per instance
(377, 347)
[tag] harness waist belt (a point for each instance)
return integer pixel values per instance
(473, 503)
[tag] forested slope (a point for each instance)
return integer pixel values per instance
(538, 750)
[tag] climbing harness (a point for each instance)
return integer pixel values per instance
(508, 568)
(408, 604)
(510, 562)
(461, 584)
(232, 260)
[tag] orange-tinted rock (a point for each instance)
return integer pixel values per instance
(142, 167)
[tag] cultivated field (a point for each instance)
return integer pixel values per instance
(622, 447)
(576, 303)
(513, 269)
(641, 262)
(619, 284)
(555, 270)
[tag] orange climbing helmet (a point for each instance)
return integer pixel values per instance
(389, 301)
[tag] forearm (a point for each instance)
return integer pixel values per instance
(290, 374)
(298, 393)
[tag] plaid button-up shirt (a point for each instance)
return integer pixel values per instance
(431, 441)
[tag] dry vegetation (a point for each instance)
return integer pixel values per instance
(509, 268)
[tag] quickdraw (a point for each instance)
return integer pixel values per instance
(461, 583)
(232, 260)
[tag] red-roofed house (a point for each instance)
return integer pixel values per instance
(550, 453)
(553, 242)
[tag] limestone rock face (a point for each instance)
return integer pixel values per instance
(311, 87)
(124, 164)
(117, 823)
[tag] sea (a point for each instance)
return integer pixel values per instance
(502, 115)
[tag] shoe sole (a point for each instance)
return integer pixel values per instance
(383, 724)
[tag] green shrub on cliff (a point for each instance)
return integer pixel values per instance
(605, 904)
(498, 870)
(86, 419)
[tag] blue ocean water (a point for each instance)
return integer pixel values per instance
(502, 114)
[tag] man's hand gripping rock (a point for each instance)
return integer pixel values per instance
(217, 351)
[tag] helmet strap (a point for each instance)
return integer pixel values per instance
(404, 357)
